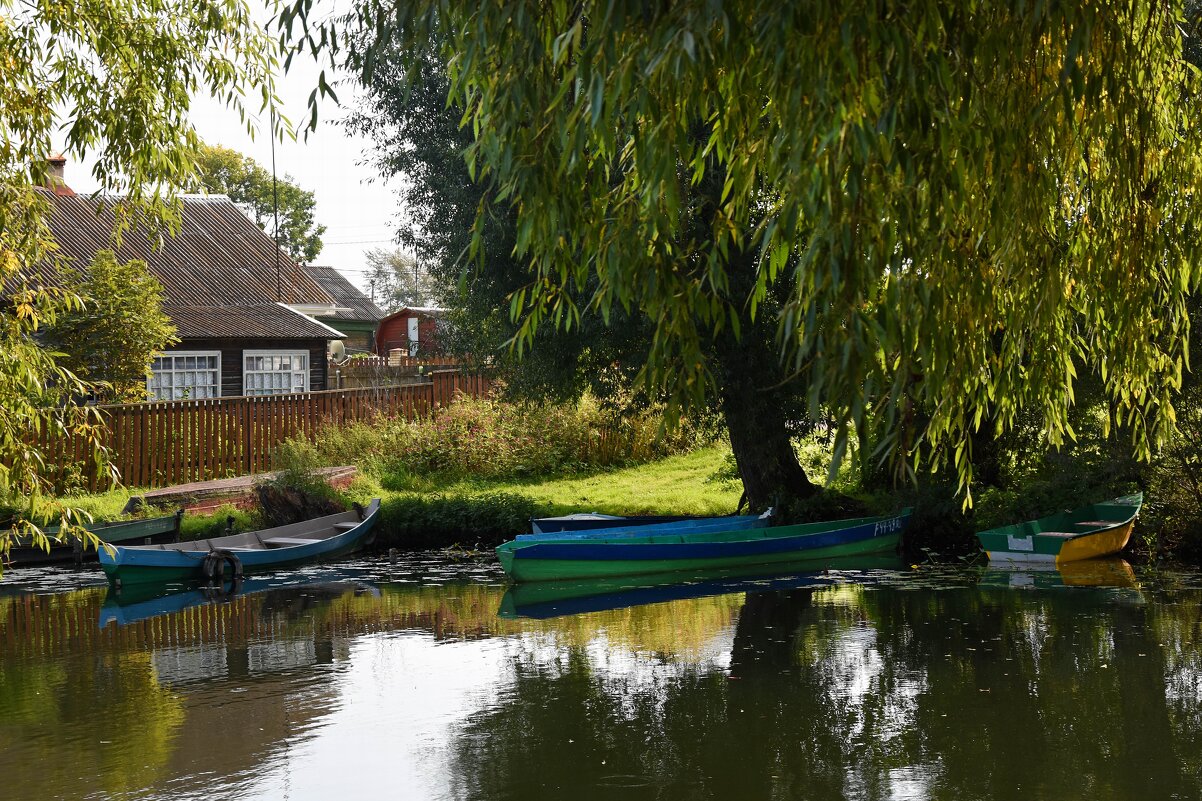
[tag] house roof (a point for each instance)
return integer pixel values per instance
(409, 311)
(246, 321)
(218, 258)
(354, 304)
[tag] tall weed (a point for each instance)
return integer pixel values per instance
(491, 440)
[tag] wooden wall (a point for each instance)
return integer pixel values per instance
(231, 358)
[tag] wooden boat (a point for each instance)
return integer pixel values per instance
(549, 558)
(1101, 529)
(625, 528)
(147, 531)
(252, 551)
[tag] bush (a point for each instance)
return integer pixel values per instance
(439, 521)
(489, 439)
(297, 464)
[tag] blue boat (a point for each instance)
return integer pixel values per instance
(250, 552)
(554, 557)
(625, 527)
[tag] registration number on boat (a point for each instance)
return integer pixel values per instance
(887, 526)
(1020, 543)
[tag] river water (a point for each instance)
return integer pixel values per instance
(424, 679)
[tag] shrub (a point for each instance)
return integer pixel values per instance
(437, 521)
(297, 464)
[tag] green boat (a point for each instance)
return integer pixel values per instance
(550, 559)
(146, 531)
(1100, 529)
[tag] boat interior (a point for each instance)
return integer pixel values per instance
(304, 533)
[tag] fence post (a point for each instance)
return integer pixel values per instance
(244, 422)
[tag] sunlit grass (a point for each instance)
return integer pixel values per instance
(675, 485)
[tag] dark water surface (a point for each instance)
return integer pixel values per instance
(401, 681)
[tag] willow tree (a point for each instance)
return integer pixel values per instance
(961, 204)
(111, 81)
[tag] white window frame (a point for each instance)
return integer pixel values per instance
(247, 390)
(184, 353)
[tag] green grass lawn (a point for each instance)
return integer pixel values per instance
(676, 485)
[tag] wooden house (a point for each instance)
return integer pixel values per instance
(354, 313)
(249, 319)
(413, 330)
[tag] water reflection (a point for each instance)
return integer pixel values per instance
(403, 682)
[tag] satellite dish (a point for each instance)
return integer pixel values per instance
(337, 350)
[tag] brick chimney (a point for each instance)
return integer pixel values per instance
(56, 176)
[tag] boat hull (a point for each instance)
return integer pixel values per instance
(587, 559)
(155, 530)
(627, 530)
(143, 565)
(1059, 539)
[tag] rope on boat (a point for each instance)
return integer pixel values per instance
(214, 564)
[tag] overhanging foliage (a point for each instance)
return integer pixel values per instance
(968, 202)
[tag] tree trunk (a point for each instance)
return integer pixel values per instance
(758, 410)
(760, 434)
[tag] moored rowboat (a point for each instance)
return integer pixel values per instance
(623, 527)
(547, 558)
(144, 531)
(1101, 529)
(252, 551)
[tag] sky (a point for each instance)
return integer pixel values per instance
(359, 209)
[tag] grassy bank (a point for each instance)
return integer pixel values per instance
(479, 513)
(482, 512)
(676, 485)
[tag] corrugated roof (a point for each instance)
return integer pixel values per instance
(218, 258)
(345, 294)
(245, 321)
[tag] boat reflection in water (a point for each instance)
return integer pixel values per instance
(144, 602)
(549, 599)
(1097, 573)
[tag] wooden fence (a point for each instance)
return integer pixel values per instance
(377, 373)
(175, 442)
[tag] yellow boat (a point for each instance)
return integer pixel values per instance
(1101, 529)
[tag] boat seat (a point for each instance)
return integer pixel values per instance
(286, 542)
(346, 526)
(241, 548)
(1100, 523)
(1065, 534)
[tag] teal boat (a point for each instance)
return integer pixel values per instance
(548, 558)
(253, 551)
(147, 531)
(626, 527)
